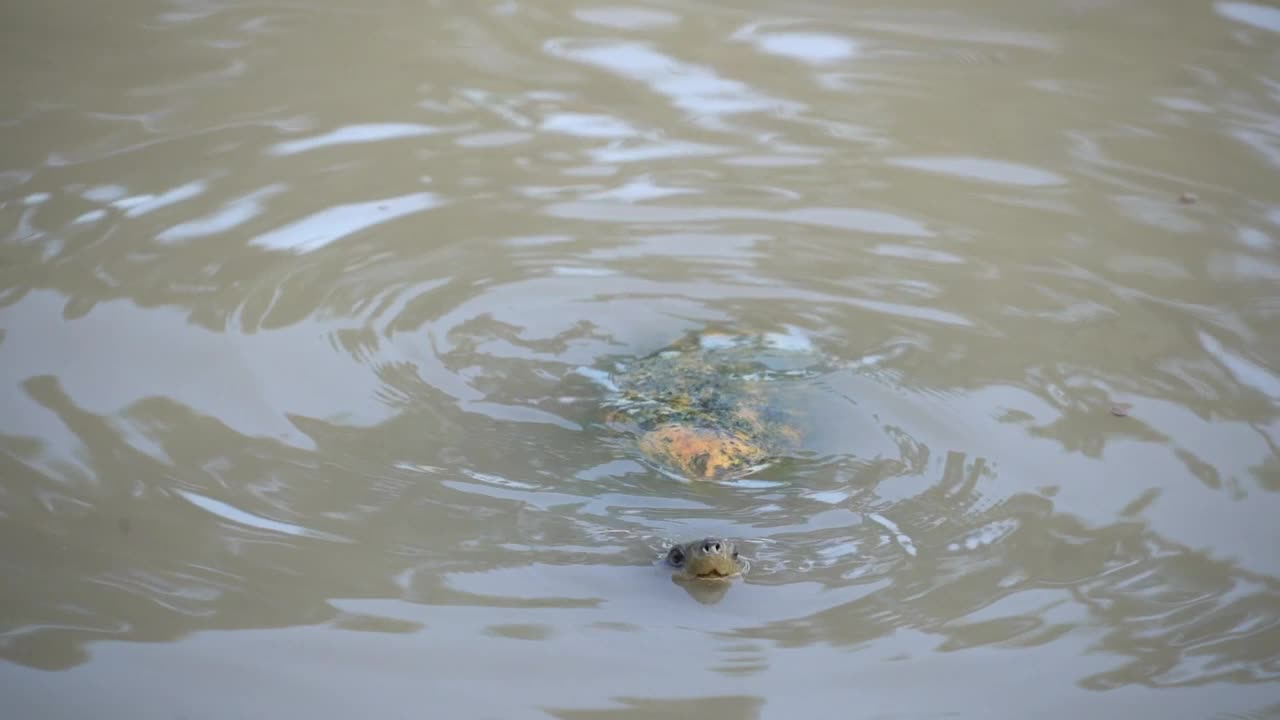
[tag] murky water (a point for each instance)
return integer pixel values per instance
(300, 304)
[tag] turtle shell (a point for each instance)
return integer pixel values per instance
(709, 407)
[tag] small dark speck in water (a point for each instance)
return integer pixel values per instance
(1187, 198)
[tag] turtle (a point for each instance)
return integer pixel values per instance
(709, 558)
(704, 568)
(709, 406)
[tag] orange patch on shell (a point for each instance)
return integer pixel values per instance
(700, 453)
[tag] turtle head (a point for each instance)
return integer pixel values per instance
(705, 559)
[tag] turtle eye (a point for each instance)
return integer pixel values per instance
(676, 557)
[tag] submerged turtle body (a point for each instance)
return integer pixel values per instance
(709, 406)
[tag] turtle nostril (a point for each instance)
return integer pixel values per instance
(711, 546)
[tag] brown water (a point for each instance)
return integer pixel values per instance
(299, 301)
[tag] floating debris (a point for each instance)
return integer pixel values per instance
(1188, 198)
(1121, 409)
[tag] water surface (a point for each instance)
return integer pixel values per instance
(296, 299)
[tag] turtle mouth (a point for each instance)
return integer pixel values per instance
(713, 574)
